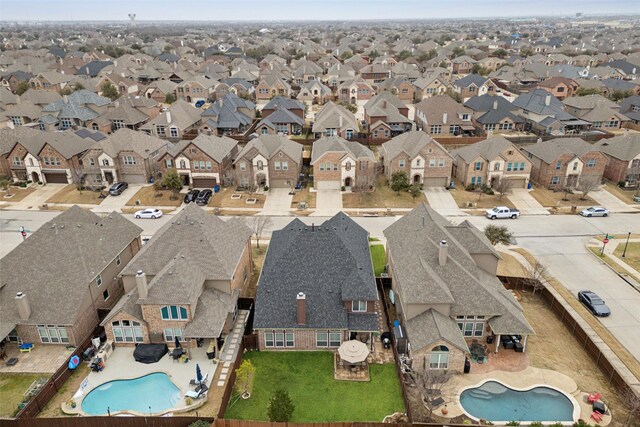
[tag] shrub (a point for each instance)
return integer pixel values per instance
(536, 424)
(513, 423)
(581, 423)
(200, 423)
(266, 188)
(343, 188)
(621, 184)
(23, 185)
(470, 187)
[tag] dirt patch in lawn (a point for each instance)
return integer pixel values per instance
(250, 290)
(304, 195)
(52, 409)
(149, 196)
(382, 197)
(17, 194)
(550, 198)
(222, 199)
(71, 196)
(625, 195)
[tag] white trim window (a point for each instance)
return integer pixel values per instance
(439, 357)
(277, 165)
(285, 165)
(401, 163)
(279, 339)
(118, 261)
(471, 326)
(358, 306)
(170, 334)
(436, 129)
(98, 280)
(129, 160)
(174, 312)
(105, 295)
(329, 339)
(173, 132)
(53, 334)
(127, 331)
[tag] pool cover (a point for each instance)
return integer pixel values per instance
(150, 353)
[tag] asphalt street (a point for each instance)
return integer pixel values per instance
(558, 240)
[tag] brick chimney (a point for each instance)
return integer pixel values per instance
(301, 309)
(141, 283)
(443, 251)
(22, 303)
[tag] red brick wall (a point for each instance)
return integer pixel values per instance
(305, 339)
(616, 169)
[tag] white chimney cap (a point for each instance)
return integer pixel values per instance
(301, 295)
(139, 272)
(19, 295)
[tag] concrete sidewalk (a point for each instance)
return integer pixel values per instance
(526, 203)
(611, 202)
(328, 203)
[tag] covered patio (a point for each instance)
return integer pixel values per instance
(350, 362)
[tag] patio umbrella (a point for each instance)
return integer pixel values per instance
(178, 343)
(353, 351)
(198, 374)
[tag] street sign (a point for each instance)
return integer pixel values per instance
(605, 241)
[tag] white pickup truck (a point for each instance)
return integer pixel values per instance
(502, 212)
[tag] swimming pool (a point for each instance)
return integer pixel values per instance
(153, 393)
(494, 401)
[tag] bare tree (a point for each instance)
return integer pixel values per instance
(367, 178)
(257, 225)
(566, 189)
(503, 186)
(587, 184)
(431, 382)
(631, 399)
(534, 274)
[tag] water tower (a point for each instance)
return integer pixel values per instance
(132, 17)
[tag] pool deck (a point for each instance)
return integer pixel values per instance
(524, 379)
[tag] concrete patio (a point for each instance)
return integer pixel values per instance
(42, 358)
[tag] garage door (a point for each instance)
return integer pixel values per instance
(56, 178)
(328, 185)
(281, 183)
(204, 182)
(134, 179)
(435, 182)
(518, 182)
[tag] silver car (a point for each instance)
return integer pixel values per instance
(594, 211)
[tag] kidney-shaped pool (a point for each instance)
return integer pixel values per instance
(494, 401)
(153, 393)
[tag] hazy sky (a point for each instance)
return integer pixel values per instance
(264, 10)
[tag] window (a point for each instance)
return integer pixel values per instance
(289, 338)
(95, 127)
(490, 126)
(509, 164)
(611, 124)
(169, 163)
(335, 166)
(42, 126)
(129, 160)
(522, 164)
(118, 124)
(439, 358)
(277, 165)
(279, 339)
(105, 162)
(401, 163)
(260, 165)
(559, 165)
(105, 294)
(174, 312)
(334, 339)
(478, 166)
(575, 166)
(268, 339)
(243, 166)
(440, 163)
(31, 162)
(321, 166)
(53, 334)
(208, 165)
(418, 162)
(173, 132)
(202, 164)
(264, 130)
(92, 162)
(454, 129)
(160, 130)
(465, 117)
(359, 306)
(17, 161)
(591, 163)
(473, 179)
(66, 123)
(285, 165)
(98, 280)
(479, 180)
(170, 334)
(17, 121)
(436, 129)
(555, 180)
(322, 339)
(349, 133)
(118, 260)
(471, 326)
(506, 126)
(496, 166)
(347, 166)
(196, 165)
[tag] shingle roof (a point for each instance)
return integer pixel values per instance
(284, 103)
(337, 268)
(214, 146)
(535, 101)
(335, 143)
(269, 145)
(281, 116)
(623, 147)
(589, 101)
(334, 116)
(487, 102)
(71, 250)
(411, 143)
(475, 79)
(431, 326)
(129, 140)
(550, 150)
(496, 116)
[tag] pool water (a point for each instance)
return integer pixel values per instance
(495, 402)
(153, 393)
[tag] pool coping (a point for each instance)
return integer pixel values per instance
(574, 402)
(78, 409)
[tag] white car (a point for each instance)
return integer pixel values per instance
(149, 213)
(594, 211)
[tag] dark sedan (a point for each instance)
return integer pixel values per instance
(191, 196)
(118, 188)
(594, 303)
(204, 197)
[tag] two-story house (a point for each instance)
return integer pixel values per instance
(474, 85)
(355, 91)
(489, 161)
(329, 301)
(338, 163)
(623, 159)
(184, 284)
(334, 119)
(229, 115)
(446, 291)
(386, 116)
(563, 162)
(175, 122)
(560, 87)
(270, 160)
(442, 116)
(601, 112)
(271, 85)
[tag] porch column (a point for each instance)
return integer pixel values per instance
(497, 343)
(524, 343)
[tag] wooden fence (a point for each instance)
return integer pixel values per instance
(243, 423)
(35, 405)
(105, 422)
(574, 327)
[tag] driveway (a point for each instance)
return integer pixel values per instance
(611, 202)
(38, 197)
(278, 202)
(525, 202)
(328, 203)
(116, 203)
(441, 200)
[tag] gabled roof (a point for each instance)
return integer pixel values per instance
(535, 101)
(71, 250)
(471, 79)
(214, 146)
(488, 102)
(410, 143)
(431, 326)
(489, 149)
(281, 116)
(337, 268)
(624, 147)
(334, 116)
(336, 144)
(93, 68)
(590, 101)
(181, 114)
(496, 116)
(280, 102)
(269, 145)
(130, 140)
(225, 113)
(550, 150)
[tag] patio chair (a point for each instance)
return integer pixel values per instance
(594, 397)
(26, 347)
(197, 394)
(597, 416)
(196, 382)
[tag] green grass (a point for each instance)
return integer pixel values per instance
(12, 388)
(379, 258)
(374, 239)
(632, 257)
(317, 397)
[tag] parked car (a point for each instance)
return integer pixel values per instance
(636, 198)
(502, 212)
(593, 303)
(118, 188)
(191, 196)
(594, 211)
(149, 213)
(204, 197)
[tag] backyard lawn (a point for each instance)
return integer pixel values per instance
(317, 397)
(12, 388)
(148, 196)
(379, 258)
(70, 195)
